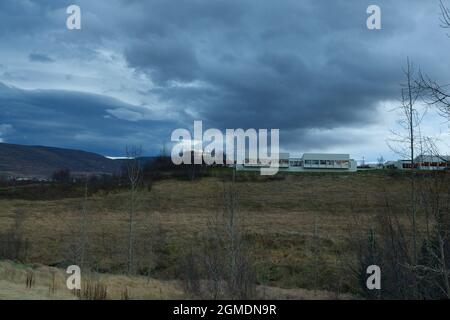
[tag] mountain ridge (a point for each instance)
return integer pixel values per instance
(40, 161)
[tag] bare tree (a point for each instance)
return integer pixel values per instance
(233, 235)
(230, 267)
(434, 266)
(408, 274)
(315, 250)
(13, 244)
(380, 161)
(223, 268)
(435, 191)
(134, 175)
(409, 139)
(436, 94)
(445, 15)
(383, 240)
(83, 235)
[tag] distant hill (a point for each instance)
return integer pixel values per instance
(40, 161)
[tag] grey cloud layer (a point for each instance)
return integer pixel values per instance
(293, 65)
(75, 120)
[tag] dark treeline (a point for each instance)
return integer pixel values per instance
(65, 184)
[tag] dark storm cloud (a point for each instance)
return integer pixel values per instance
(290, 64)
(25, 17)
(164, 60)
(75, 120)
(39, 57)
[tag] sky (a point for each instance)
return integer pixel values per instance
(137, 70)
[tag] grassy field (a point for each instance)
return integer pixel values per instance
(49, 283)
(286, 219)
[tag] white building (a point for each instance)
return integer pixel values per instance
(424, 162)
(310, 162)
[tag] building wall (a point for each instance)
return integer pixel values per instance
(310, 162)
(425, 163)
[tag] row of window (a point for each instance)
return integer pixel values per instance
(332, 163)
(265, 162)
(426, 164)
(301, 163)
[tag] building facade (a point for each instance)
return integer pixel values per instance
(309, 162)
(423, 162)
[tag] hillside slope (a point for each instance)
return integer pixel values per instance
(40, 161)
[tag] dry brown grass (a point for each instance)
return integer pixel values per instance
(50, 283)
(279, 216)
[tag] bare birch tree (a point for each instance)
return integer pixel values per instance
(231, 270)
(434, 266)
(409, 139)
(83, 235)
(445, 15)
(436, 94)
(134, 175)
(223, 268)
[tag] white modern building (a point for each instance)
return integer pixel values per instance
(423, 162)
(309, 162)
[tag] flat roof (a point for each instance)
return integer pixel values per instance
(326, 156)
